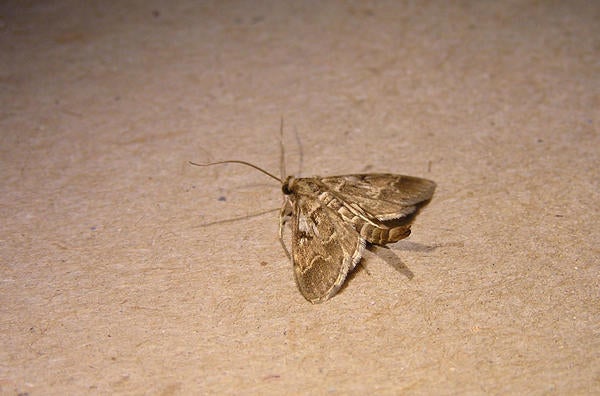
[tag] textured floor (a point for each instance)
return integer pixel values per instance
(111, 281)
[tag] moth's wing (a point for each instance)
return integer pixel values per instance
(383, 195)
(324, 249)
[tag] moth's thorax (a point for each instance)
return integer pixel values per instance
(289, 185)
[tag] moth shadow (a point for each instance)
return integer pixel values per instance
(388, 255)
(392, 259)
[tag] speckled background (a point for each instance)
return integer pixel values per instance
(111, 283)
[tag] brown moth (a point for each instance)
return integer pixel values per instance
(333, 218)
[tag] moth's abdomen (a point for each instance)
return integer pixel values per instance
(378, 234)
(383, 236)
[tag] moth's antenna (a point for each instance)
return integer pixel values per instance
(301, 151)
(239, 162)
(281, 152)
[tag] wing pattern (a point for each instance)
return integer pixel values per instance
(334, 217)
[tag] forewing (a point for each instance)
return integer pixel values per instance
(324, 249)
(383, 195)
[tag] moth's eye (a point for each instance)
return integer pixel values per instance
(289, 185)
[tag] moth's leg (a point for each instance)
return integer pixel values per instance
(284, 215)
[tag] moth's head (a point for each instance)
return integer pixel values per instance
(289, 185)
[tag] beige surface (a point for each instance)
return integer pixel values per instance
(110, 285)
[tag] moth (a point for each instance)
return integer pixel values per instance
(334, 218)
